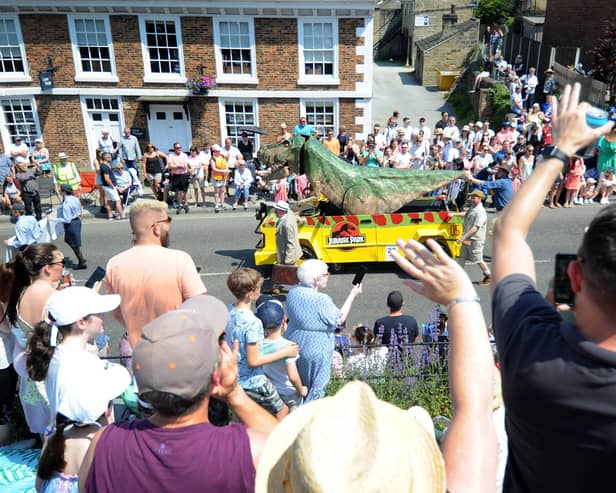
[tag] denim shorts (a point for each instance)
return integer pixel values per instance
(267, 397)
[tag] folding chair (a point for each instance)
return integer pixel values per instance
(88, 186)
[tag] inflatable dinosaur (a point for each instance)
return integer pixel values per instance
(354, 189)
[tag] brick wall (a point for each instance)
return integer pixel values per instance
(274, 112)
(448, 55)
(575, 23)
(62, 125)
(347, 113)
(204, 117)
(276, 51)
(348, 59)
(434, 9)
(276, 46)
(48, 36)
(198, 39)
(127, 50)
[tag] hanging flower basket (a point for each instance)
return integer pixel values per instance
(200, 85)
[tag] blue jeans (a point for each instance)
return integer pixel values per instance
(239, 192)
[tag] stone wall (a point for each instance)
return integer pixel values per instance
(434, 9)
(448, 55)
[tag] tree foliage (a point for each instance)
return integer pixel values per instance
(495, 12)
(604, 58)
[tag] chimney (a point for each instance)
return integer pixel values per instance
(450, 20)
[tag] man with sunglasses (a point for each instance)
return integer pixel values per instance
(151, 278)
(179, 168)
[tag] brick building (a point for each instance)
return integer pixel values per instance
(124, 63)
(575, 23)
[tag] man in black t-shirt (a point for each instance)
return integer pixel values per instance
(402, 325)
(110, 188)
(558, 377)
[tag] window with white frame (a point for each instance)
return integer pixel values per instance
(318, 51)
(13, 64)
(235, 50)
(161, 40)
(92, 47)
(322, 115)
(238, 114)
(20, 119)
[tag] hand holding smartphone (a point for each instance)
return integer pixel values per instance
(562, 285)
(97, 275)
(359, 275)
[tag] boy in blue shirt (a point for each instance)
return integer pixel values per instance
(245, 327)
(282, 373)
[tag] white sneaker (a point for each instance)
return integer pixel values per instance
(604, 201)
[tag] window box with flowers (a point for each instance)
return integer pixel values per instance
(200, 85)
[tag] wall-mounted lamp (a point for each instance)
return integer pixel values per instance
(46, 76)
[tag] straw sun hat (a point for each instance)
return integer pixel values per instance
(351, 442)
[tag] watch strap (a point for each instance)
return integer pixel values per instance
(553, 152)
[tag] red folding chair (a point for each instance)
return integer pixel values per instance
(88, 186)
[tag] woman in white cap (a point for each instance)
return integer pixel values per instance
(40, 157)
(79, 385)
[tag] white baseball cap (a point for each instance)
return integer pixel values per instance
(73, 303)
(82, 385)
(216, 148)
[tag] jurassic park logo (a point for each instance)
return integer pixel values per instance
(345, 233)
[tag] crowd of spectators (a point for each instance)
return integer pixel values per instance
(270, 363)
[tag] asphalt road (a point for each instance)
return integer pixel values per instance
(222, 242)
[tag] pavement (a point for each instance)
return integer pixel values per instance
(396, 89)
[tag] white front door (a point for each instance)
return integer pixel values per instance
(100, 113)
(167, 125)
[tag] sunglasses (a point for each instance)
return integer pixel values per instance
(166, 220)
(178, 147)
(60, 262)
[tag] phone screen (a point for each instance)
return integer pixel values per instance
(359, 276)
(97, 275)
(562, 284)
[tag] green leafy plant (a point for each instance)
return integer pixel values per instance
(495, 12)
(500, 104)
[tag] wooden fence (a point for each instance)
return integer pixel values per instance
(542, 56)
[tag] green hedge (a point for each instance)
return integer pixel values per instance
(500, 104)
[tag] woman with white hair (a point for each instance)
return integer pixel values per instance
(312, 319)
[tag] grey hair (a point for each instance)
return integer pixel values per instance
(310, 271)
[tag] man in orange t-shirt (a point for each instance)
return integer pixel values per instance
(151, 278)
(332, 143)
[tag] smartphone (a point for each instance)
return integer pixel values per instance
(97, 275)
(359, 275)
(562, 285)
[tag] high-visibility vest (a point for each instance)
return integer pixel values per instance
(66, 175)
(221, 163)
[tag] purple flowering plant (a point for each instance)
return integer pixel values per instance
(200, 84)
(413, 374)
